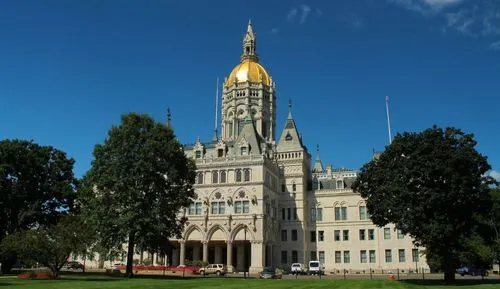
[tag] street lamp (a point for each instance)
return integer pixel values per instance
(245, 253)
(317, 232)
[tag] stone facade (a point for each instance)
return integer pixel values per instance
(262, 202)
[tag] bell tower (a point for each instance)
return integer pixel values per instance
(249, 95)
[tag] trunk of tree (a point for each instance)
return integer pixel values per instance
(130, 255)
(449, 268)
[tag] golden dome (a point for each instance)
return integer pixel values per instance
(248, 70)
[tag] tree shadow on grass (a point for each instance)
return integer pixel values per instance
(459, 282)
(5, 284)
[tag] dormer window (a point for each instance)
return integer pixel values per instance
(288, 136)
(198, 154)
(220, 153)
(244, 151)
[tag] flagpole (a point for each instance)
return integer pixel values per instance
(216, 105)
(388, 118)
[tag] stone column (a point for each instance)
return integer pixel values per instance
(258, 256)
(205, 251)
(183, 252)
(229, 261)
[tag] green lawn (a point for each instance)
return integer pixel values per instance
(221, 283)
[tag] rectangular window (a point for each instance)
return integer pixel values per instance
(295, 216)
(336, 235)
(347, 257)
(345, 234)
(371, 234)
(313, 215)
(289, 210)
(362, 212)
(284, 257)
(198, 154)
(192, 209)
(284, 235)
(294, 235)
(387, 233)
(283, 214)
(313, 256)
(388, 256)
(313, 236)
(362, 234)
(415, 255)
(343, 213)
(321, 257)
(215, 207)
(283, 186)
(400, 234)
(362, 256)
(198, 209)
(402, 257)
(295, 256)
(338, 257)
(319, 214)
(237, 207)
(321, 236)
(372, 256)
(222, 208)
(246, 206)
(337, 213)
(244, 151)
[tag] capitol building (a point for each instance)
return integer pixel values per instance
(264, 201)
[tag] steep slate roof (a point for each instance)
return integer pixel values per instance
(250, 135)
(290, 139)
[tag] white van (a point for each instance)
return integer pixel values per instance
(314, 268)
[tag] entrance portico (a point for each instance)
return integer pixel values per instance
(236, 249)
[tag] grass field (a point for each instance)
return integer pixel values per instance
(236, 283)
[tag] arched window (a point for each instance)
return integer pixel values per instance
(215, 177)
(223, 176)
(341, 212)
(246, 175)
(199, 178)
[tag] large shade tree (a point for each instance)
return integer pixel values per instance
(37, 187)
(139, 181)
(431, 185)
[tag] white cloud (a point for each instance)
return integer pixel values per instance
(495, 46)
(274, 31)
(292, 14)
(305, 12)
(495, 174)
(357, 22)
(302, 13)
(426, 7)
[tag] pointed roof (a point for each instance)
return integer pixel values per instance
(290, 138)
(249, 135)
(318, 166)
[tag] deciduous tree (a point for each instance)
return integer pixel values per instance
(139, 181)
(430, 185)
(50, 246)
(37, 187)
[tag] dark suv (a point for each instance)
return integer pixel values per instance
(472, 270)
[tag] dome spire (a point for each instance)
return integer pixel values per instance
(249, 44)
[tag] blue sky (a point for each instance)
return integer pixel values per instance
(69, 69)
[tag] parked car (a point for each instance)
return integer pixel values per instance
(270, 273)
(472, 270)
(73, 265)
(315, 268)
(298, 268)
(217, 269)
